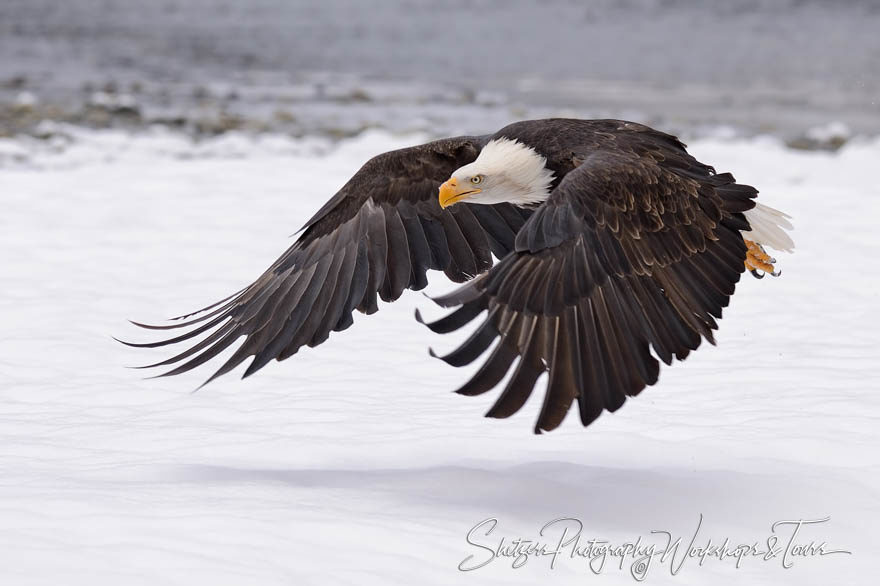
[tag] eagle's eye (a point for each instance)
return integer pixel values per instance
(476, 179)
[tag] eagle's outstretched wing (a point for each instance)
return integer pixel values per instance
(378, 235)
(637, 247)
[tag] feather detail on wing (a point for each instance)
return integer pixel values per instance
(638, 248)
(378, 236)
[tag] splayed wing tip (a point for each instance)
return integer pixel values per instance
(131, 344)
(212, 306)
(142, 367)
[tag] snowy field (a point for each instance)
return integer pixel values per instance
(353, 463)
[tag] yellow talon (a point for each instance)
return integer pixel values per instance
(757, 259)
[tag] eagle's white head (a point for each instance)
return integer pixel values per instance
(505, 171)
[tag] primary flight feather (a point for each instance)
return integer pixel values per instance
(613, 242)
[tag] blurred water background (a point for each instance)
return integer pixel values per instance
(807, 71)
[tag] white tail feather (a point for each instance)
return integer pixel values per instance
(769, 228)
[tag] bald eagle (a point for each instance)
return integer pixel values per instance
(612, 241)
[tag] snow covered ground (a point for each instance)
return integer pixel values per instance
(353, 463)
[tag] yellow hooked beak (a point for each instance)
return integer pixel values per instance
(451, 193)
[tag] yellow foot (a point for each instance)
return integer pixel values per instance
(758, 260)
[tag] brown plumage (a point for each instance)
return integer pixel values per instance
(638, 246)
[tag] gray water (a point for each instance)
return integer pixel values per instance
(337, 66)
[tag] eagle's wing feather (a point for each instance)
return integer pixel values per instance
(638, 247)
(378, 235)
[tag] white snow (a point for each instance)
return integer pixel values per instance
(353, 463)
